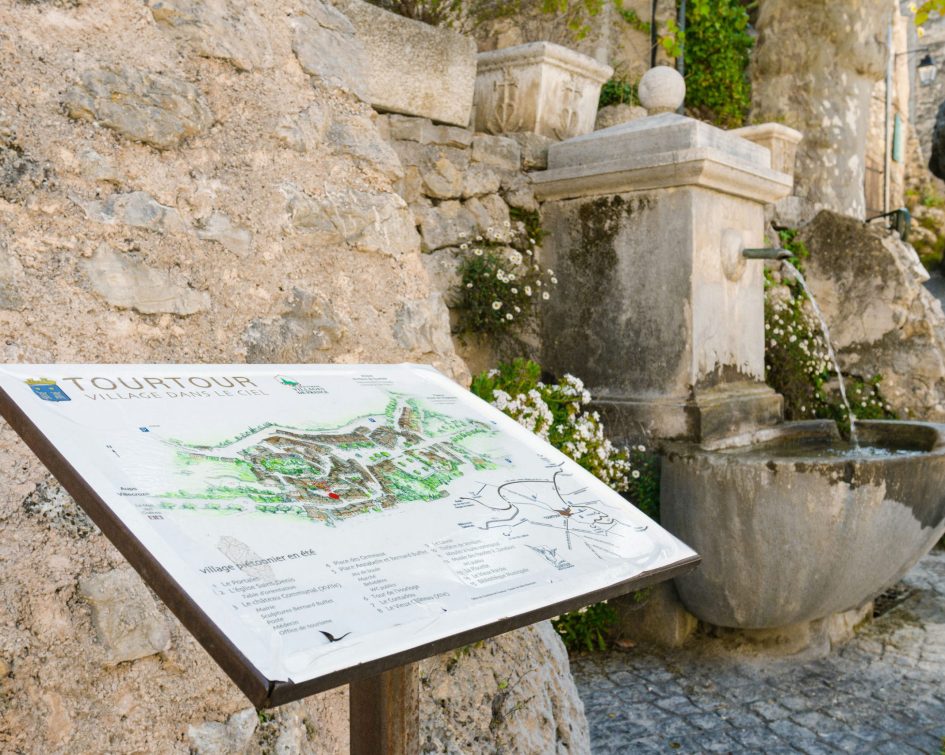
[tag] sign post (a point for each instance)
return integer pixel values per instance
(385, 713)
(321, 525)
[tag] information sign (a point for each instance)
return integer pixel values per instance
(315, 525)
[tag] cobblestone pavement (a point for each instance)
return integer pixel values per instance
(882, 692)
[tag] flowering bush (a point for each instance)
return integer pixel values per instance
(500, 285)
(797, 363)
(555, 412)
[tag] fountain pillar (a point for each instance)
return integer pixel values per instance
(656, 308)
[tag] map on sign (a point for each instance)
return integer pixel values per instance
(323, 517)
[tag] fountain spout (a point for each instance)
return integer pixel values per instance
(767, 253)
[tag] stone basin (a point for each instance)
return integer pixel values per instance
(794, 524)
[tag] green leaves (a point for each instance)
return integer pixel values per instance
(717, 48)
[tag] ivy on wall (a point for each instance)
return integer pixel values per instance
(717, 47)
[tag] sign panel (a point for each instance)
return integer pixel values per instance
(315, 524)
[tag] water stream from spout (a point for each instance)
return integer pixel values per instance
(833, 354)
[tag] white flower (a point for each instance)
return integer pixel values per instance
(478, 252)
(464, 246)
(545, 295)
(635, 474)
(528, 290)
(554, 280)
(497, 305)
(508, 316)
(513, 290)
(469, 285)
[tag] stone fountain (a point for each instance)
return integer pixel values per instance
(651, 227)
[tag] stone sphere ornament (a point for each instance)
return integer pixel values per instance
(661, 90)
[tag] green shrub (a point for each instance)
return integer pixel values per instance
(501, 284)
(618, 91)
(717, 46)
(587, 628)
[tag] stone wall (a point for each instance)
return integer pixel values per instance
(190, 181)
(462, 186)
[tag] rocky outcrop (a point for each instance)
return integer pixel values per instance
(821, 84)
(882, 320)
(186, 182)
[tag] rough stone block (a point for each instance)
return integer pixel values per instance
(138, 209)
(413, 68)
(614, 115)
(499, 152)
(422, 325)
(234, 238)
(215, 738)
(660, 619)
(479, 180)
(326, 46)
(357, 136)
(540, 87)
(534, 149)
(128, 283)
(146, 107)
(448, 224)
(307, 326)
(226, 29)
(492, 217)
(369, 221)
(126, 619)
(424, 131)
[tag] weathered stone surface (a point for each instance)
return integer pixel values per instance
(308, 325)
(138, 209)
(659, 620)
(423, 325)
(226, 29)
(499, 152)
(540, 87)
(370, 222)
(234, 238)
(492, 217)
(152, 108)
(128, 283)
(435, 79)
(20, 175)
(305, 130)
(518, 193)
(326, 46)
(882, 319)
(821, 85)
(847, 528)
(49, 502)
(424, 131)
(614, 115)
(357, 137)
(126, 619)
(233, 736)
(440, 170)
(479, 180)
(534, 149)
(447, 224)
(95, 167)
(442, 268)
(11, 278)
(778, 139)
(516, 697)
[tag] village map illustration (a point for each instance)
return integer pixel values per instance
(409, 453)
